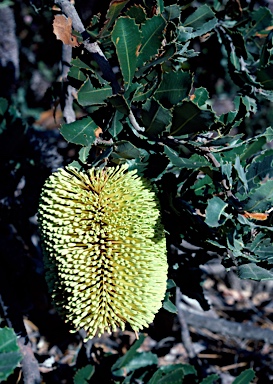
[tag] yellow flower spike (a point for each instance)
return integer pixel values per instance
(104, 248)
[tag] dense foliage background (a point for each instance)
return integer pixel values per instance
(184, 96)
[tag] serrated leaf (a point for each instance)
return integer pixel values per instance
(202, 21)
(89, 95)
(138, 13)
(201, 96)
(259, 19)
(174, 87)
(120, 104)
(80, 132)
(194, 162)
(169, 52)
(260, 199)
(152, 36)
(214, 210)
(245, 377)
(76, 73)
(188, 118)
(3, 105)
(241, 172)
(254, 272)
(115, 7)
(126, 150)
(262, 249)
(126, 38)
(171, 12)
(155, 118)
(10, 354)
(116, 125)
(84, 374)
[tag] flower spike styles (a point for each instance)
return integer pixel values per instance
(104, 248)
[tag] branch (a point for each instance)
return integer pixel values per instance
(228, 328)
(185, 334)
(68, 111)
(69, 10)
(30, 366)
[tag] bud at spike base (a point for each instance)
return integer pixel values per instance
(104, 248)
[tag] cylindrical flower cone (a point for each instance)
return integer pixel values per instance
(104, 248)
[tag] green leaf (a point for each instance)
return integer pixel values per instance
(84, 374)
(168, 375)
(133, 360)
(202, 21)
(3, 105)
(189, 118)
(126, 150)
(264, 76)
(155, 118)
(170, 284)
(254, 272)
(140, 360)
(168, 305)
(259, 19)
(127, 38)
(138, 13)
(261, 248)
(120, 104)
(80, 132)
(89, 95)
(168, 54)
(194, 162)
(116, 125)
(152, 36)
(245, 377)
(174, 87)
(122, 361)
(160, 5)
(215, 208)
(210, 379)
(116, 6)
(241, 172)
(84, 153)
(171, 12)
(261, 199)
(10, 354)
(201, 96)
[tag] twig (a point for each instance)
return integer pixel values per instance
(185, 334)
(30, 366)
(69, 10)
(228, 328)
(135, 123)
(68, 111)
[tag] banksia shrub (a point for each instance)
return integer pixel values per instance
(104, 247)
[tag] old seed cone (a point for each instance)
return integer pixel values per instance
(104, 247)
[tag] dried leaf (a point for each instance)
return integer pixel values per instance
(98, 131)
(256, 215)
(62, 28)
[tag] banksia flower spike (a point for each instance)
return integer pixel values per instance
(105, 249)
